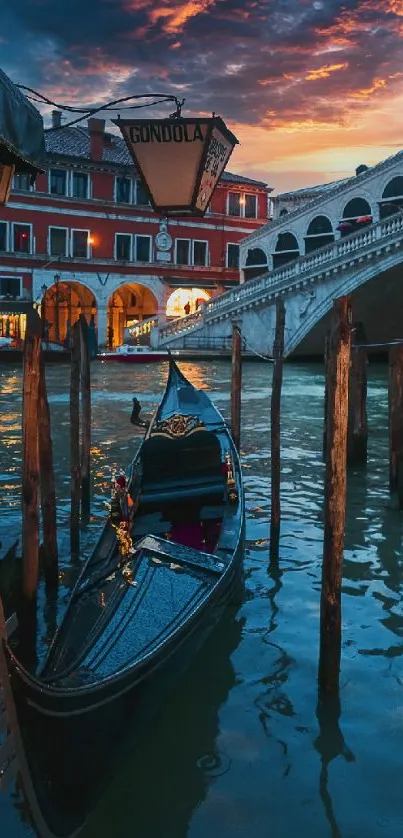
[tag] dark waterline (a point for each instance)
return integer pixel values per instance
(239, 749)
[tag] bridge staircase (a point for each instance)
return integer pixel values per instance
(335, 260)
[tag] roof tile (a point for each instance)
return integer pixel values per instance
(74, 143)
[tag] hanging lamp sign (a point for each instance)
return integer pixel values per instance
(180, 160)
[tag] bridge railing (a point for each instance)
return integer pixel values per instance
(286, 276)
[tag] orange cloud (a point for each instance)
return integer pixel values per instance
(325, 72)
(177, 17)
(366, 92)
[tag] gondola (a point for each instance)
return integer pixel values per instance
(165, 566)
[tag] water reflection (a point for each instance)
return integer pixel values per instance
(167, 775)
(330, 744)
(237, 747)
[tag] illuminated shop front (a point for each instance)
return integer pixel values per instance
(13, 320)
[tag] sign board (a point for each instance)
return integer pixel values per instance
(180, 160)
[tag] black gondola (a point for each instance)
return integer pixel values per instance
(166, 564)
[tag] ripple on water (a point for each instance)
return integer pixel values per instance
(242, 748)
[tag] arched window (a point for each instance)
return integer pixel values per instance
(284, 211)
(256, 263)
(356, 214)
(286, 249)
(356, 208)
(319, 233)
(392, 198)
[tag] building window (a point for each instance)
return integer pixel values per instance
(79, 244)
(140, 194)
(3, 236)
(182, 252)
(123, 190)
(22, 181)
(242, 205)
(22, 238)
(234, 203)
(233, 256)
(58, 182)
(200, 253)
(57, 241)
(80, 185)
(143, 249)
(123, 247)
(250, 206)
(10, 286)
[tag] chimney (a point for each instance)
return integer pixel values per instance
(361, 169)
(96, 128)
(56, 119)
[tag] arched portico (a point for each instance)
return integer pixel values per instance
(100, 288)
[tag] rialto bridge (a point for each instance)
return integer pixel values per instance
(347, 241)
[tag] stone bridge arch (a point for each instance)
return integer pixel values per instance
(315, 302)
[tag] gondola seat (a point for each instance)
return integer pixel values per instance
(180, 469)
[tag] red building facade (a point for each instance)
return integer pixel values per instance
(85, 239)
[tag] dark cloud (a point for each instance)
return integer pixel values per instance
(257, 62)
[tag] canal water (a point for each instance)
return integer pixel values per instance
(240, 749)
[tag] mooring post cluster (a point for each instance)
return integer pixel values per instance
(38, 484)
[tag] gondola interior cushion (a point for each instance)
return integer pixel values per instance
(188, 467)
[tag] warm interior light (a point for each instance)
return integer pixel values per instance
(242, 200)
(184, 296)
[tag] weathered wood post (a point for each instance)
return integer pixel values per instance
(335, 497)
(236, 383)
(85, 419)
(30, 456)
(357, 437)
(47, 484)
(326, 398)
(278, 352)
(396, 421)
(75, 484)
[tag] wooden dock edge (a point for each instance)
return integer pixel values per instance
(13, 761)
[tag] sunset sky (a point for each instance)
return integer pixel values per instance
(312, 88)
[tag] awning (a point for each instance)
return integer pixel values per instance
(22, 142)
(20, 307)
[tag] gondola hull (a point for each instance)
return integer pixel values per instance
(136, 620)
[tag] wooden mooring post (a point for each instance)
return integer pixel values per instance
(396, 421)
(335, 497)
(75, 468)
(30, 457)
(278, 353)
(49, 552)
(326, 397)
(357, 435)
(85, 420)
(236, 384)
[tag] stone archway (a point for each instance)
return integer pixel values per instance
(392, 198)
(256, 263)
(319, 233)
(129, 306)
(62, 303)
(286, 249)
